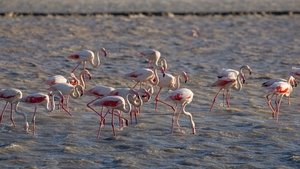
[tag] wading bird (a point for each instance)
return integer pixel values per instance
(112, 103)
(12, 96)
(170, 82)
(279, 89)
(227, 79)
(84, 56)
(45, 100)
(182, 96)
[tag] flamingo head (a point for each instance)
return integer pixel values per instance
(185, 76)
(246, 67)
(293, 81)
(87, 73)
(104, 51)
(145, 94)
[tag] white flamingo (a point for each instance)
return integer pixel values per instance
(84, 56)
(45, 100)
(169, 81)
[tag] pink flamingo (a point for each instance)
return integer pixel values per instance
(12, 96)
(270, 82)
(44, 100)
(112, 103)
(181, 96)
(61, 79)
(227, 79)
(98, 91)
(84, 56)
(151, 55)
(134, 98)
(281, 89)
(143, 75)
(68, 90)
(169, 81)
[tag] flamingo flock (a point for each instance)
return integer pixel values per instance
(120, 101)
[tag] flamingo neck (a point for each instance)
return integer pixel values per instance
(50, 106)
(128, 109)
(239, 85)
(75, 92)
(97, 58)
(26, 125)
(155, 80)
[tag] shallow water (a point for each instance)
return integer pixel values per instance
(243, 136)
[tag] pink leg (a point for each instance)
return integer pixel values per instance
(173, 118)
(167, 104)
(278, 106)
(112, 122)
(227, 98)
(223, 98)
(63, 107)
(11, 115)
(135, 85)
(101, 123)
(214, 100)
(156, 98)
(33, 120)
(75, 67)
(270, 103)
(1, 117)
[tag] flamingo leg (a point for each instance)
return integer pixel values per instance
(191, 117)
(101, 123)
(11, 115)
(214, 100)
(1, 117)
(167, 104)
(156, 98)
(270, 103)
(135, 85)
(278, 106)
(112, 122)
(63, 107)
(223, 98)
(75, 67)
(173, 118)
(33, 120)
(227, 98)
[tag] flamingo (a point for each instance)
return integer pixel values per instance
(153, 57)
(112, 103)
(184, 97)
(270, 82)
(67, 90)
(280, 89)
(143, 75)
(84, 56)
(230, 78)
(134, 98)
(12, 96)
(61, 79)
(44, 100)
(98, 91)
(169, 81)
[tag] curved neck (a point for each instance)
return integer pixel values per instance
(75, 92)
(155, 80)
(50, 104)
(97, 58)
(239, 85)
(128, 110)
(137, 102)
(177, 85)
(26, 125)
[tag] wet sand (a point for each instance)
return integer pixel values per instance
(243, 136)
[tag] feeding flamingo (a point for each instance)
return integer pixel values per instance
(279, 89)
(68, 90)
(227, 79)
(12, 96)
(112, 103)
(169, 81)
(84, 56)
(143, 75)
(61, 79)
(43, 100)
(181, 96)
(134, 98)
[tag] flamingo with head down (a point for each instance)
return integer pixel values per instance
(112, 103)
(170, 82)
(12, 96)
(182, 96)
(84, 56)
(45, 100)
